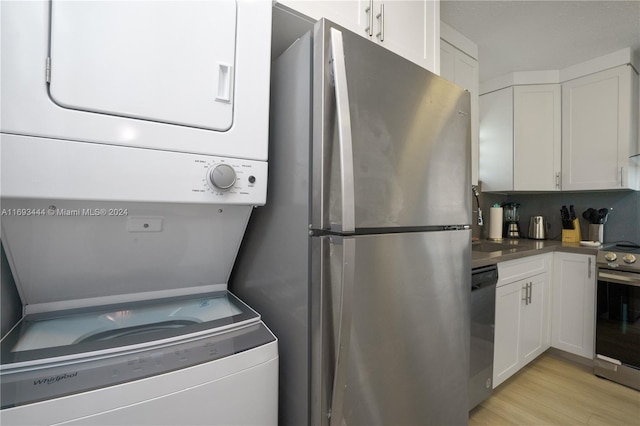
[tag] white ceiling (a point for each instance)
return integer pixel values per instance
(543, 35)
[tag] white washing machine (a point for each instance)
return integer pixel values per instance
(204, 359)
(133, 149)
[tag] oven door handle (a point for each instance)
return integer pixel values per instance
(620, 278)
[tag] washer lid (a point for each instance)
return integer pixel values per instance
(64, 256)
(164, 61)
(53, 337)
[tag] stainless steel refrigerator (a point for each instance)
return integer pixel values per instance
(360, 261)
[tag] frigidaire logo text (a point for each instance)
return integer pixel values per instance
(54, 379)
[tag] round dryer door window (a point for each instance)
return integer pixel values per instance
(162, 61)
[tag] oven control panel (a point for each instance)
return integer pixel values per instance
(617, 260)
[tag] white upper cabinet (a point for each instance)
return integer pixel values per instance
(496, 140)
(599, 130)
(571, 129)
(537, 137)
(348, 13)
(520, 139)
(463, 70)
(409, 28)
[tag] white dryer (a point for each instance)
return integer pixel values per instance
(177, 75)
(133, 149)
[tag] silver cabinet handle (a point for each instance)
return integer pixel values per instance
(369, 11)
(380, 17)
(527, 293)
(344, 331)
(344, 133)
(589, 268)
(622, 177)
(558, 180)
(530, 291)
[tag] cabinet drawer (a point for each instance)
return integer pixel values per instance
(514, 270)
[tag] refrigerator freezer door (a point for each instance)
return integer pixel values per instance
(410, 133)
(405, 357)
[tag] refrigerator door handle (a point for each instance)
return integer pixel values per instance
(344, 331)
(344, 132)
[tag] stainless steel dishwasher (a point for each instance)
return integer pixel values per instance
(483, 309)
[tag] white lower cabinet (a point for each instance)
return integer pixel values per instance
(522, 327)
(573, 303)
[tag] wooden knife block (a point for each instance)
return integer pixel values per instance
(572, 235)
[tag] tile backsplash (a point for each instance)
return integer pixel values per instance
(623, 223)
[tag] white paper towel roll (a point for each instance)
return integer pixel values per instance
(495, 223)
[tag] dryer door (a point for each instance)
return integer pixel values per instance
(155, 60)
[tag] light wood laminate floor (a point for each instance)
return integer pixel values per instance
(554, 391)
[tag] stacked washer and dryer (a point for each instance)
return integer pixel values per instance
(133, 150)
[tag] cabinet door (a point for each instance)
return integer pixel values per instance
(573, 306)
(598, 129)
(463, 70)
(507, 331)
(447, 61)
(536, 137)
(409, 28)
(496, 140)
(534, 319)
(347, 13)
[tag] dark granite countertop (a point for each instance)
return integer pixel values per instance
(485, 252)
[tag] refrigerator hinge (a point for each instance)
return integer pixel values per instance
(48, 70)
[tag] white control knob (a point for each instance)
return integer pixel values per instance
(610, 257)
(222, 176)
(629, 258)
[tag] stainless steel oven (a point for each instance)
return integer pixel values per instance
(618, 316)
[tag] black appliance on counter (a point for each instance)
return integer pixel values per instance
(483, 310)
(511, 220)
(618, 315)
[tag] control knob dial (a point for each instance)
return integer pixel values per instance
(222, 176)
(629, 258)
(610, 257)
